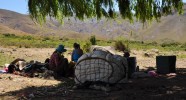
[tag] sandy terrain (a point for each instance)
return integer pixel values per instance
(145, 58)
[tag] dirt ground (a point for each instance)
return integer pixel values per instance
(144, 58)
(164, 87)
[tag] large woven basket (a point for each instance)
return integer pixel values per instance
(95, 69)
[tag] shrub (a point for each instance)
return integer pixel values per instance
(154, 43)
(65, 39)
(27, 37)
(119, 45)
(183, 45)
(9, 35)
(169, 44)
(110, 41)
(46, 38)
(86, 47)
(93, 40)
(20, 46)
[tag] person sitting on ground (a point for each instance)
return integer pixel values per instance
(77, 52)
(58, 63)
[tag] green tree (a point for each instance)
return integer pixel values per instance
(142, 10)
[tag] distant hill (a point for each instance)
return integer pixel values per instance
(15, 23)
(172, 27)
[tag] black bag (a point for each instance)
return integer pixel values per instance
(12, 68)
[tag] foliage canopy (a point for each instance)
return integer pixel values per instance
(142, 10)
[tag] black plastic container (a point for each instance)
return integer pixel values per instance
(166, 64)
(131, 65)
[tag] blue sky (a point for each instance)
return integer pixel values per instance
(18, 5)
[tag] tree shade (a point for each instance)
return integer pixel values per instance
(142, 10)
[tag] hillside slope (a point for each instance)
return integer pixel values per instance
(172, 27)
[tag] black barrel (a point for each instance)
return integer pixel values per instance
(131, 65)
(166, 64)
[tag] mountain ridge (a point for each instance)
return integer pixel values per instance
(171, 27)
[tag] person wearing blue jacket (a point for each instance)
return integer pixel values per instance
(77, 52)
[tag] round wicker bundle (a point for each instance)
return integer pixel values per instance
(102, 66)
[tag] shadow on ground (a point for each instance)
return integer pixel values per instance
(162, 88)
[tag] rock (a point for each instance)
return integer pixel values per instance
(134, 53)
(155, 50)
(10, 78)
(148, 54)
(106, 89)
(31, 95)
(169, 92)
(36, 75)
(14, 50)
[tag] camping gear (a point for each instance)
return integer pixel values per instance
(131, 65)
(101, 66)
(2, 71)
(152, 73)
(34, 67)
(139, 75)
(6, 67)
(21, 64)
(166, 64)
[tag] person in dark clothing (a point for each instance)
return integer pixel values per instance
(58, 63)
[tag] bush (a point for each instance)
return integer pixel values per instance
(169, 44)
(65, 39)
(27, 37)
(93, 40)
(9, 35)
(183, 45)
(153, 43)
(86, 47)
(46, 38)
(119, 45)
